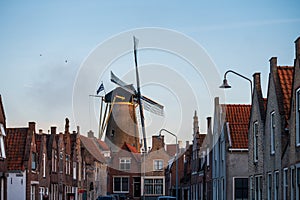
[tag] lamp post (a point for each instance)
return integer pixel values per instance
(225, 84)
(176, 187)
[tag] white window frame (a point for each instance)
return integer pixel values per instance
(251, 187)
(158, 165)
(154, 184)
(276, 185)
(269, 186)
(298, 117)
(272, 130)
(121, 191)
(285, 183)
(258, 187)
(125, 164)
(32, 192)
(44, 165)
(297, 180)
(74, 170)
(34, 161)
(2, 147)
(255, 142)
(207, 156)
(292, 182)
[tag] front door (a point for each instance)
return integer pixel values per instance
(137, 187)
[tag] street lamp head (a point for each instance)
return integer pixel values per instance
(225, 84)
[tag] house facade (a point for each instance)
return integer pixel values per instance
(3, 158)
(230, 151)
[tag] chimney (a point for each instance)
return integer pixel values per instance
(297, 46)
(157, 142)
(273, 65)
(40, 131)
(53, 130)
(91, 134)
(31, 126)
(78, 129)
(209, 131)
(187, 144)
(67, 126)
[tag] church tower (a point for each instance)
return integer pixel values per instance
(122, 123)
(195, 124)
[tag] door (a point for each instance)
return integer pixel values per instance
(136, 187)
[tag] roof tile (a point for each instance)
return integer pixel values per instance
(237, 115)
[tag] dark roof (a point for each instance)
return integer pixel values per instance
(237, 115)
(16, 145)
(92, 148)
(121, 94)
(103, 145)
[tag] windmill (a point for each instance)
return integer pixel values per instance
(123, 100)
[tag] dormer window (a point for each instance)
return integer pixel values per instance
(125, 164)
(158, 165)
(2, 147)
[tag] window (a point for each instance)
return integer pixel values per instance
(54, 160)
(251, 188)
(158, 165)
(269, 185)
(68, 164)
(74, 170)
(258, 187)
(2, 147)
(255, 141)
(276, 185)
(32, 192)
(44, 165)
(154, 186)
(285, 184)
(121, 184)
(33, 161)
(272, 128)
(125, 164)
(292, 182)
(298, 182)
(241, 188)
(207, 156)
(298, 117)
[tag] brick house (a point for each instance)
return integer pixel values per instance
(230, 151)
(276, 126)
(124, 172)
(153, 167)
(22, 163)
(3, 160)
(95, 167)
(256, 142)
(291, 157)
(43, 163)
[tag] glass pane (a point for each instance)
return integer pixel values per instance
(117, 184)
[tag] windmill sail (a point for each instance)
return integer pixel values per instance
(152, 106)
(121, 83)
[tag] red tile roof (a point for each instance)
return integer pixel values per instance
(237, 116)
(15, 143)
(131, 148)
(285, 74)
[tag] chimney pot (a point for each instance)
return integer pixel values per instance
(40, 131)
(53, 130)
(31, 126)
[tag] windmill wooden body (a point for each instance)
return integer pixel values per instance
(121, 121)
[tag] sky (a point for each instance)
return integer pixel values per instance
(46, 47)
